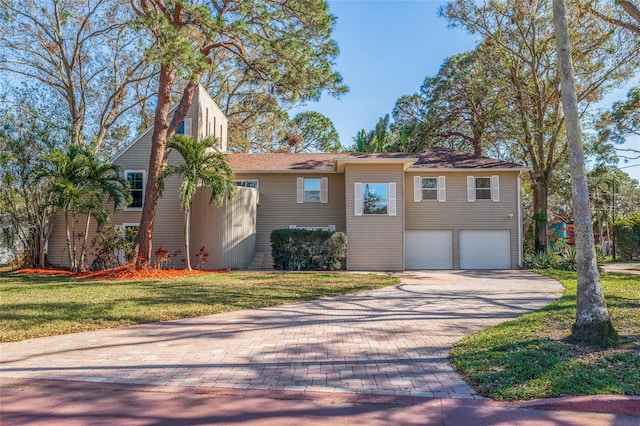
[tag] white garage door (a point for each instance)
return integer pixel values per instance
(428, 250)
(485, 250)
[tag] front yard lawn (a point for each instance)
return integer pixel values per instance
(531, 357)
(40, 305)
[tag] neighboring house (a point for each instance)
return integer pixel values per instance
(437, 209)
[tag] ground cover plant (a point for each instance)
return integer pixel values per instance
(532, 356)
(36, 305)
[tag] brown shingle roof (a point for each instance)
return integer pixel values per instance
(430, 158)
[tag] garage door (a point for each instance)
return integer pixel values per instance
(428, 250)
(485, 250)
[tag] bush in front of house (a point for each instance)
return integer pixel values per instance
(564, 260)
(627, 231)
(308, 250)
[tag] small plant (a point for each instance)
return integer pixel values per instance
(567, 261)
(201, 258)
(162, 257)
(539, 260)
(110, 245)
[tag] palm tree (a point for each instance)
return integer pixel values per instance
(202, 166)
(104, 179)
(77, 183)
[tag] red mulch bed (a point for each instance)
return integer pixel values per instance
(124, 272)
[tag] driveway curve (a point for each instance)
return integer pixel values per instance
(391, 341)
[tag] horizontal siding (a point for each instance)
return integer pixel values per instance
(167, 232)
(279, 208)
(169, 222)
(456, 213)
(375, 242)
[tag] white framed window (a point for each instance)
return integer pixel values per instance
(483, 188)
(375, 199)
(185, 127)
(429, 189)
(137, 180)
(312, 190)
(248, 183)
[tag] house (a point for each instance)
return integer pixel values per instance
(436, 209)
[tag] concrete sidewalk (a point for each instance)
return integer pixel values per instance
(623, 267)
(80, 403)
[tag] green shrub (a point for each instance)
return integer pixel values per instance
(308, 250)
(567, 260)
(539, 260)
(627, 231)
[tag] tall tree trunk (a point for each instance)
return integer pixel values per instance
(540, 206)
(144, 239)
(592, 318)
(187, 254)
(83, 249)
(69, 239)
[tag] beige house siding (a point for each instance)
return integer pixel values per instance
(227, 232)
(375, 242)
(168, 229)
(457, 214)
(279, 209)
(211, 120)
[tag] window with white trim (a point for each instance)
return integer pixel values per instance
(483, 188)
(185, 127)
(429, 189)
(312, 190)
(248, 183)
(374, 199)
(137, 180)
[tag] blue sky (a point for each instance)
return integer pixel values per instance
(387, 48)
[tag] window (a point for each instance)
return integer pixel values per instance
(429, 188)
(483, 188)
(312, 190)
(136, 180)
(251, 183)
(375, 199)
(185, 127)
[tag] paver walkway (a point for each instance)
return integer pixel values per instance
(392, 341)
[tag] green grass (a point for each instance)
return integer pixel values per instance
(532, 357)
(36, 306)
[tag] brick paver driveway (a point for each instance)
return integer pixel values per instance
(392, 341)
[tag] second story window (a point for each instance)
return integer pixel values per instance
(313, 190)
(185, 127)
(136, 185)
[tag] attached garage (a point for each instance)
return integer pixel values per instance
(485, 250)
(428, 250)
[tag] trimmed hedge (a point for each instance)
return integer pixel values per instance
(628, 237)
(308, 250)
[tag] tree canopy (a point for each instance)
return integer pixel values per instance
(285, 47)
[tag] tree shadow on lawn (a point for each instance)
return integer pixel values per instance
(549, 368)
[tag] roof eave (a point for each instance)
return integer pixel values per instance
(341, 163)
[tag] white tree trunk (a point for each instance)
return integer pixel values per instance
(591, 310)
